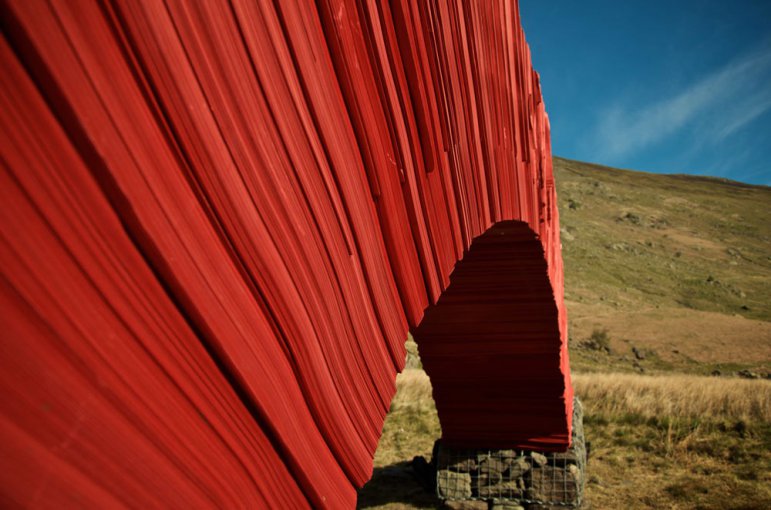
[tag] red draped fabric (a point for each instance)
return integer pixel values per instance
(219, 221)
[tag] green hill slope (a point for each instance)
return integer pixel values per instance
(677, 266)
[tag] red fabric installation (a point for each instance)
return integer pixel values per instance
(219, 221)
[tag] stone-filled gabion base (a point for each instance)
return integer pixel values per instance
(528, 478)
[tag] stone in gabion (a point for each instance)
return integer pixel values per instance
(553, 484)
(457, 462)
(453, 485)
(492, 465)
(518, 467)
(510, 489)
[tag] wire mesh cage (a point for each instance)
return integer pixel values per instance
(518, 476)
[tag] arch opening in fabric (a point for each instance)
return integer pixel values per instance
(493, 350)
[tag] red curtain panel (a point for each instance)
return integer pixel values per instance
(219, 221)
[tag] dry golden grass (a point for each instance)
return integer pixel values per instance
(677, 441)
(680, 396)
(413, 390)
(410, 429)
(659, 396)
(412, 424)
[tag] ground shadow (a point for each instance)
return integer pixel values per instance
(397, 483)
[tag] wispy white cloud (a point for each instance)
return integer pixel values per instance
(714, 107)
(755, 106)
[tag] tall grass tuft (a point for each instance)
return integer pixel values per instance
(676, 396)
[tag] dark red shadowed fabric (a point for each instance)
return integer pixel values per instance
(219, 221)
(490, 346)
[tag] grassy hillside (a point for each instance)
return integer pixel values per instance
(667, 287)
(679, 266)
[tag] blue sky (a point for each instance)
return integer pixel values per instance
(679, 86)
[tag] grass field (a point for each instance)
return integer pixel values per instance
(669, 302)
(677, 441)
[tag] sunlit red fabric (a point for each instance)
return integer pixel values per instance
(219, 221)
